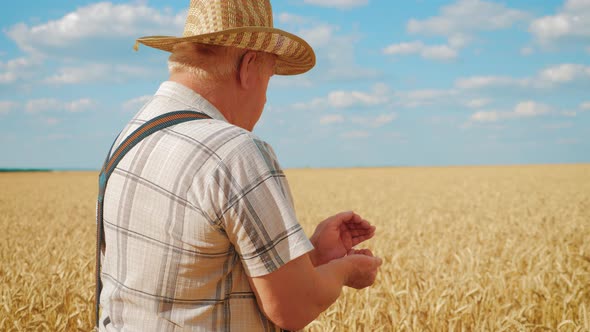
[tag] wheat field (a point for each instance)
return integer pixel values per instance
(464, 248)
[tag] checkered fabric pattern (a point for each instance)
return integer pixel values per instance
(189, 214)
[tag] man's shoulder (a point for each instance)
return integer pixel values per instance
(247, 139)
(232, 144)
(248, 147)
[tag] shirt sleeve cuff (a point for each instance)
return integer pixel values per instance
(282, 252)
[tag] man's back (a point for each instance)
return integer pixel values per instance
(187, 212)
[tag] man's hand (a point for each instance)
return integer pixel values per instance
(336, 236)
(365, 268)
(311, 290)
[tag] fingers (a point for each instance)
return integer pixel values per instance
(365, 270)
(366, 252)
(361, 238)
(345, 216)
(362, 232)
(356, 222)
(359, 235)
(348, 217)
(352, 220)
(353, 225)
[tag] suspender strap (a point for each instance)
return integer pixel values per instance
(112, 160)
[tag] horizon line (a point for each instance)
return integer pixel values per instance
(82, 169)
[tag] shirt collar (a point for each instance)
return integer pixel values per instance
(189, 97)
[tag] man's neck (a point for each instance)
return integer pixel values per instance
(221, 94)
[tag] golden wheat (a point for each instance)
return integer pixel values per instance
(46, 251)
(464, 248)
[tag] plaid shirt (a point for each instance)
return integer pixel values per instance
(189, 214)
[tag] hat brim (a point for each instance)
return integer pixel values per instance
(295, 56)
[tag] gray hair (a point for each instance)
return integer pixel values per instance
(207, 62)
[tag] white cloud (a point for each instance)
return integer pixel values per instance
(525, 109)
(102, 30)
(404, 48)
(569, 114)
(436, 52)
(570, 23)
(564, 73)
(348, 99)
(426, 94)
(383, 119)
(479, 82)
(318, 36)
(341, 4)
(558, 125)
(458, 40)
(7, 106)
(340, 99)
(18, 64)
(417, 98)
(72, 75)
(546, 78)
(527, 50)
(478, 103)
(355, 134)
(489, 116)
(288, 18)
(314, 104)
(530, 109)
(374, 122)
(42, 105)
(8, 77)
(136, 103)
(364, 121)
(51, 122)
(102, 20)
(439, 52)
(464, 17)
(52, 104)
(335, 51)
(96, 72)
(458, 22)
(17, 69)
(79, 105)
(583, 107)
(332, 118)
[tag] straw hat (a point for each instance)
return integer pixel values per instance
(240, 23)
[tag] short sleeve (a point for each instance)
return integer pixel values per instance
(253, 205)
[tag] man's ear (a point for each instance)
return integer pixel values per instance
(246, 70)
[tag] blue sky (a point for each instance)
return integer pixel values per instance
(414, 82)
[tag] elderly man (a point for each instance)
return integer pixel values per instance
(197, 229)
